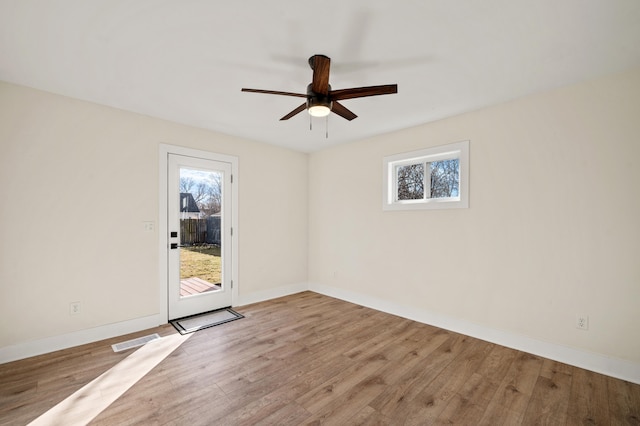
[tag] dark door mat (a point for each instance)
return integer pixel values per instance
(208, 319)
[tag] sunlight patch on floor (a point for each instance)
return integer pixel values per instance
(90, 400)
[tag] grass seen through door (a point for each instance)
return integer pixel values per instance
(203, 262)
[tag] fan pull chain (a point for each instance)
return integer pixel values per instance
(326, 123)
(326, 128)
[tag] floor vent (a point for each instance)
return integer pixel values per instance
(119, 347)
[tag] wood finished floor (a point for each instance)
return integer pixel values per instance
(311, 359)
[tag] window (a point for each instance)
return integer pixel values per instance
(433, 178)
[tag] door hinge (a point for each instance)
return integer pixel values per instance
(231, 178)
(231, 283)
(232, 231)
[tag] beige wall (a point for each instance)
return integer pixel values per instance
(553, 228)
(77, 180)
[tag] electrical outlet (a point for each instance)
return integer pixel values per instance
(148, 226)
(74, 308)
(582, 322)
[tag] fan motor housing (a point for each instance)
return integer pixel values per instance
(318, 99)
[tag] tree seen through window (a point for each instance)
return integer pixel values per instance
(445, 178)
(411, 182)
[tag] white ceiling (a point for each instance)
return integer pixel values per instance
(187, 60)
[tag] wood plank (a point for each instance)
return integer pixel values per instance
(290, 414)
(588, 402)
(369, 417)
(549, 401)
(514, 393)
(340, 410)
(399, 396)
(435, 397)
(624, 402)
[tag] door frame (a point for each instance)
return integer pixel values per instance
(163, 225)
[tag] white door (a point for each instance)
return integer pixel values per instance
(199, 243)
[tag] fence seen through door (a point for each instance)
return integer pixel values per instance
(200, 231)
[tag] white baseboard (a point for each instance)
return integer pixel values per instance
(614, 367)
(76, 338)
(272, 293)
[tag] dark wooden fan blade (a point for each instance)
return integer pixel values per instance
(342, 111)
(361, 92)
(295, 111)
(274, 92)
(320, 65)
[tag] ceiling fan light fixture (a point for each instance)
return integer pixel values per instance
(319, 110)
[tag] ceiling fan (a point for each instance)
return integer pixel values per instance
(321, 100)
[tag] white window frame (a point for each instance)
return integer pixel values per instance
(390, 164)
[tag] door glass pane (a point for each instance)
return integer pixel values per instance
(200, 231)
